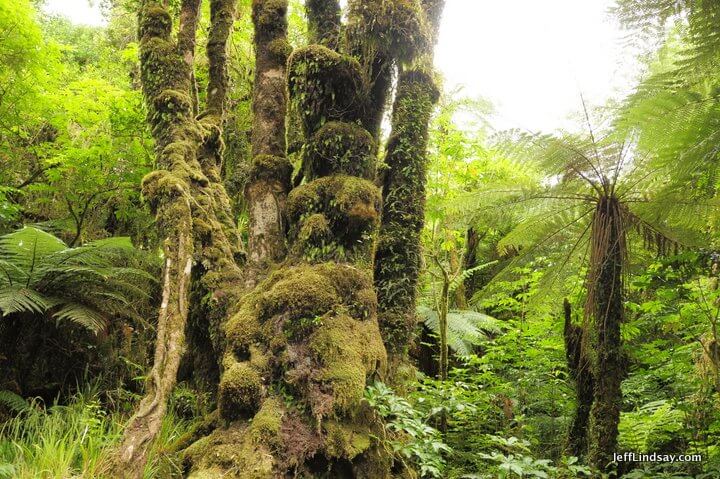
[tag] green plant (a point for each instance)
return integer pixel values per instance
(86, 285)
(409, 436)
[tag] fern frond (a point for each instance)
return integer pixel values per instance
(14, 402)
(466, 328)
(86, 317)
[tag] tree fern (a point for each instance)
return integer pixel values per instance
(466, 328)
(86, 285)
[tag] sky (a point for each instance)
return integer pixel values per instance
(532, 59)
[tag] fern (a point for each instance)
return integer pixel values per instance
(13, 402)
(86, 285)
(466, 328)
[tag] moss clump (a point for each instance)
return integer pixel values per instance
(265, 426)
(301, 293)
(348, 350)
(351, 207)
(338, 147)
(271, 168)
(241, 389)
(397, 29)
(155, 21)
(280, 49)
(230, 453)
(269, 17)
(324, 86)
(345, 440)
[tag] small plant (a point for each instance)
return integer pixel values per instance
(409, 436)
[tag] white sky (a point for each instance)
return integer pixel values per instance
(530, 58)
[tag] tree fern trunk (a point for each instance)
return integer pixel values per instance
(605, 305)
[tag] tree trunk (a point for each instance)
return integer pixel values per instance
(580, 367)
(398, 257)
(191, 206)
(605, 307)
(269, 183)
(324, 22)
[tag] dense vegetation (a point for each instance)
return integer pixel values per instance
(257, 239)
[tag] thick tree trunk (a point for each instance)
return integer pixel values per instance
(398, 256)
(308, 335)
(191, 207)
(269, 184)
(605, 305)
(580, 367)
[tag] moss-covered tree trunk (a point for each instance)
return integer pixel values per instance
(269, 184)
(191, 206)
(398, 257)
(605, 307)
(580, 367)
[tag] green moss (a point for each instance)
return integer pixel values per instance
(269, 16)
(269, 167)
(338, 147)
(398, 29)
(301, 293)
(241, 389)
(350, 204)
(230, 453)
(265, 426)
(155, 21)
(345, 440)
(348, 351)
(324, 86)
(280, 49)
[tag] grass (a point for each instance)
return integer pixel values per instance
(71, 441)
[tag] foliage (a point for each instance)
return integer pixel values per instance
(71, 440)
(86, 285)
(409, 436)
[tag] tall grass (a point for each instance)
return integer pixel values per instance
(72, 441)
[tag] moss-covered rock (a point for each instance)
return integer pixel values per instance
(337, 147)
(324, 86)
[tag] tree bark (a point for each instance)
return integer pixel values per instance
(580, 367)
(605, 305)
(269, 184)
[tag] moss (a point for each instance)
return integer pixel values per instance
(265, 426)
(155, 22)
(345, 440)
(348, 351)
(280, 49)
(241, 389)
(350, 204)
(324, 86)
(231, 453)
(269, 167)
(398, 29)
(338, 147)
(324, 22)
(301, 293)
(269, 16)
